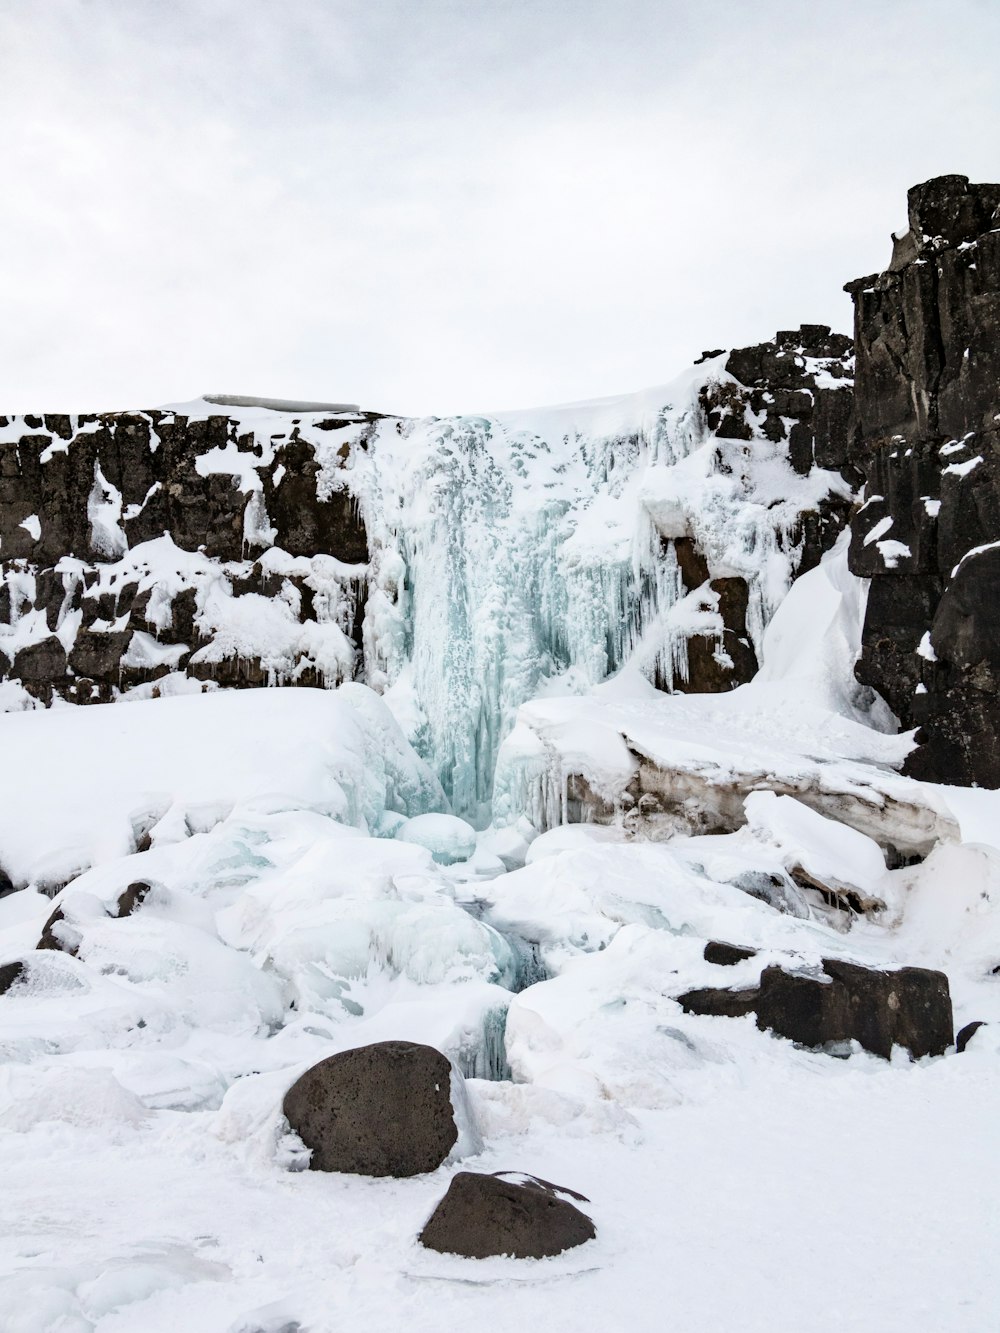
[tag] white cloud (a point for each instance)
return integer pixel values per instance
(453, 205)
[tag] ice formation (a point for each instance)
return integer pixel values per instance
(528, 553)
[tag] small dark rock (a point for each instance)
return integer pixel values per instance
(717, 1002)
(966, 1035)
(132, 897)
(9, 974)
(484, 1215)
(49, 939)
(726, 955)
(379, 1110)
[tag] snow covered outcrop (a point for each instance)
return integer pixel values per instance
(157, 550)
(458, 565)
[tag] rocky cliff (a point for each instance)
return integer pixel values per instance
(926, 436)
(238, 542)
(136, 545)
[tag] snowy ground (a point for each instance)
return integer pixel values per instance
(736, 1181)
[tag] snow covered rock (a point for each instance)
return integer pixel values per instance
(506, 1213)
(132, 898)
(395, 1108)
(845, 1002)
(447, 838)
(10, 973)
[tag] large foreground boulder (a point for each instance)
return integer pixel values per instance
(506, 1213)
(381, 1110)
(910, 1007)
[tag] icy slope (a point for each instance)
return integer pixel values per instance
(101, 782)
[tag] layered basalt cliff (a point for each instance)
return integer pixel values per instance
(926, 435)
(130, 542)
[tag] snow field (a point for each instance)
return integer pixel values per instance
(149, 1176)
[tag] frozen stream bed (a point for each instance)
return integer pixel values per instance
(737, 1181)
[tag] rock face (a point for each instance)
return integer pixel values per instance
(380, 1110)
(522, 1216)
(910, 1007)
(137, 545)
(793, 396)
(926, 436)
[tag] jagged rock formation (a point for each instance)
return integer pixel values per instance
(926, 435)
(794, 391)
(129, 543)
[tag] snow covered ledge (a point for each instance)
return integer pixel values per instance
(685, 763)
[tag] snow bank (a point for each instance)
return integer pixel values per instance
(92, 783)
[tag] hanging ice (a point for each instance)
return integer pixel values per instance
(529, 553)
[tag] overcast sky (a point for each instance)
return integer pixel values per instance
(449, 205)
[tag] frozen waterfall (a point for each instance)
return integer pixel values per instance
(530, 553)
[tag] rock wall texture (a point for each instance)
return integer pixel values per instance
(926, 436)
(130, 543)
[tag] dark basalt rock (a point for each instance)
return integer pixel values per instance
(926, 435)
(726, 955)
(966, 1034)
(717, 1002)
(152, 460)
(910, 1007)
(506, 1214)
(53, 938)
(795, 391)
(380, 1110)
(40, 663)
(10, 973)
(132, 898)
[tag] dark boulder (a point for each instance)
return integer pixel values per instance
(380, 1110)
(910, 1007)
(9, 974)
(506, 1213)
(40, 663)
(726, 955)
